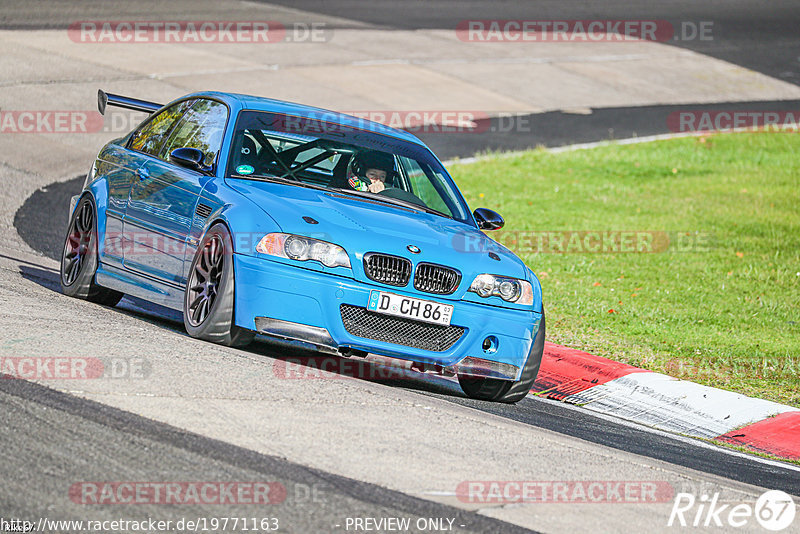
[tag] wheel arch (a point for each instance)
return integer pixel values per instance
(83, 284)
(230, 334)
(98, 192)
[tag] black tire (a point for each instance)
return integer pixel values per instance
(79, 257)
(209, 296)
(493, 389)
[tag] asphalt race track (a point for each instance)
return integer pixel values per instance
(42, 417)
(31, 224)
(341, 448)
(22, 399)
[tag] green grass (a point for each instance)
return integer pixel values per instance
(725, 312)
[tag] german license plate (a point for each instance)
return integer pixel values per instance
(410, 308)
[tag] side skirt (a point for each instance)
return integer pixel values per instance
(137, 285)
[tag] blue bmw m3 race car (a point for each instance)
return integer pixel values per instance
(251, 215)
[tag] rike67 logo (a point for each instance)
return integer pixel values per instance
(774, 511)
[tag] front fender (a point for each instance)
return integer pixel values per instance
(247, 225)
(98, 189)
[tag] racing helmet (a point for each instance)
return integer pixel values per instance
(369, 159)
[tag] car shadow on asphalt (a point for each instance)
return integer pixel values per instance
(292, 360)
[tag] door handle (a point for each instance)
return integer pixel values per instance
(142, 173)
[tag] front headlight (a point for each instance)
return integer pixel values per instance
(299, 248)
(508, 289)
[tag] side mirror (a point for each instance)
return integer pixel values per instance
(191, 158)
(488, 219)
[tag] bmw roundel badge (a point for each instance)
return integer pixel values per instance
(413, 249)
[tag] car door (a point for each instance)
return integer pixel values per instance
(145, 144)
(117, 165)
(163, 201)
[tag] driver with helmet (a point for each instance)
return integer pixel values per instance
(369, 171)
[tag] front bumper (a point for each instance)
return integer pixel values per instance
(291, 302)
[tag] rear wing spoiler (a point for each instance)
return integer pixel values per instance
(107, 99)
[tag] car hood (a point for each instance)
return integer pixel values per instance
(362, 225)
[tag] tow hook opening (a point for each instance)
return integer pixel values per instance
(432, 368)
(490, 345)
(349, 352)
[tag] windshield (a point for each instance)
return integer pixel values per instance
(327, 154)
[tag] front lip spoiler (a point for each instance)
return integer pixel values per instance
(297, 332)
(321, 338)
(472, 366)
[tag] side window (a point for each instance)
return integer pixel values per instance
(318, 163)
(201, 127)
(421, 185)
(151, 135)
